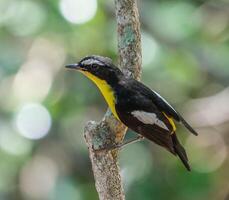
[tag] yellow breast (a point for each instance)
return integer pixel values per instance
(106, 91)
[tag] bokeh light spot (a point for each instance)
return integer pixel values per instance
(12, 143)
(149, 49)
(175, 20)
(26, 17)
(38, 177)
(208, 151)
(78, 11)
(5, 10)
(27, 85)
(33, 121)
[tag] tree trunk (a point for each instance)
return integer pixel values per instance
(110, 131)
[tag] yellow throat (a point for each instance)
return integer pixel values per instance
(106, 91)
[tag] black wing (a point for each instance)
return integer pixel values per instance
(135, 115)
(169, 110)
(164, 106)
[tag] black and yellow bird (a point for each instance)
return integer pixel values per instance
(135, 105)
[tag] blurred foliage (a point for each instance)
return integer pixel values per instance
(43, 107)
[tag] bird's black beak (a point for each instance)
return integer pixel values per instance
(73, 66)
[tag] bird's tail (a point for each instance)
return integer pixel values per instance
(180, 151)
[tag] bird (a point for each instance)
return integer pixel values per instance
(137, 106)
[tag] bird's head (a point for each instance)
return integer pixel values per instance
(98, 67)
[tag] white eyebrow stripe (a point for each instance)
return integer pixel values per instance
(149, 118)
(91, 61)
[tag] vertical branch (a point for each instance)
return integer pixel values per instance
(110, 131)
(129, 37)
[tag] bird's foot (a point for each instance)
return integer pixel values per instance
(121, 145)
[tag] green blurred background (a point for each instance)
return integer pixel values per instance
(43, 107)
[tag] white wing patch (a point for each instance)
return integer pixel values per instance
(149, 118)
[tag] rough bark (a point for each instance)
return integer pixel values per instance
(110, 131)
(129, 37)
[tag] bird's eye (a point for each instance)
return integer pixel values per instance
(94, 66)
